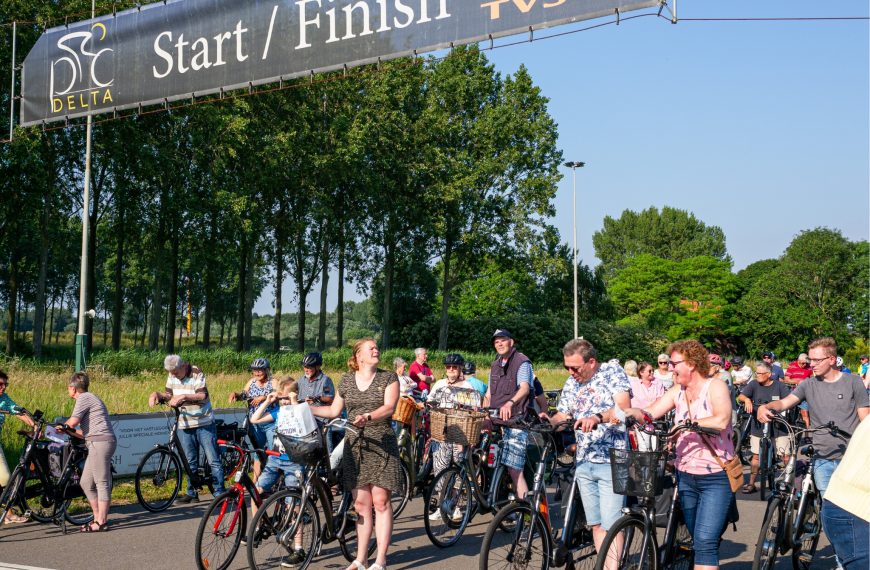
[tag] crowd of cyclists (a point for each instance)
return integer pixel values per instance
(610, 409)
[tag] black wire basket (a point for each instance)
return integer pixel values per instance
(306, 450)
(637, 473)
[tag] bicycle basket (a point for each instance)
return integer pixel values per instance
(456, 426)
(637, 473)
(306, 450)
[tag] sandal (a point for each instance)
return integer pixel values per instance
(377, 567)
(356, 565)
(12, 518)
(100, 527)
(748, 489)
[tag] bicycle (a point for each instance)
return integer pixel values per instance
(462, 490)
(224, 523)
(766, 462)
(741, 434)
(294, 512)
(632, 541)
(36, 491)
(159, 474)
(530, 541)
(792, 520)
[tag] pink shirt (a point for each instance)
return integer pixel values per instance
(692, 455)
(643, 395)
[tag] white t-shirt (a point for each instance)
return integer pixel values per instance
(666, 378)
(447, 395)
(742, 376)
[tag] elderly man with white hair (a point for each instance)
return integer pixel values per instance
(186, 390)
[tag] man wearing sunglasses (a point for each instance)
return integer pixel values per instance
(590, 396)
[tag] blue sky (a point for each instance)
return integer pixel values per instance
(761, 128)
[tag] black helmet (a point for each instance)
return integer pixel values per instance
(469, 368)
(454, 359)
(768, 354)
(737, 361)
(312, 359)
(260, 364)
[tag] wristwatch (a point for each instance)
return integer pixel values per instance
(368, 418)
(600, 418)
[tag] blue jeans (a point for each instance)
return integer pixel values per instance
(849, 535)
(293, 473)
(705, 500)
(204, 437)
(601, 504)
(823, 469)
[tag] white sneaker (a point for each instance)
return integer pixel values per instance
(457, 515)
(435, 515)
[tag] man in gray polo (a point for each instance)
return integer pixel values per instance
(315, 387)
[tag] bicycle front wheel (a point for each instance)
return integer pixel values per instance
(158, 479)
(12, 493)
(448, 507)
(770, 537)
(400, 497)
(681, 554)
(39, 500)
(220, 531)
(525, 547)
(282, 535)
(624, 547)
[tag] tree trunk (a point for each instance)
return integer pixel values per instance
(12, 284)
(249, 299)
(386, 325)
(60, 315)
(39, 308)
(339, 309)
(223, 324)
(445, 292)
(324, 283)
(172, 304)
(105, 326)
(118, 309)
(279, 285)
(156, 309)
(51, 319)
(209, 292)
(91, 293)
(243, 280)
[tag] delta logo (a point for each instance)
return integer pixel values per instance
(78, 79)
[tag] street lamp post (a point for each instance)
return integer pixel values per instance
(574, 166)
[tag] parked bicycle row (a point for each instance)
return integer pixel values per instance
(642, 479)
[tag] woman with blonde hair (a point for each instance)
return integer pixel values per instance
(370, 465)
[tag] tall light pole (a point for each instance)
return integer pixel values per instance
(574, 166)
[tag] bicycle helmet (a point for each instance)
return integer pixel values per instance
(469, 368)
(727, 365)
(839, 361)
(312, 359)
(737, 361)
(768, 354)
(454, 359)
(715, 359)
(260, 364)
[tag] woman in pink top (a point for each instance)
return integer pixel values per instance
(646, 388)
(704, 489)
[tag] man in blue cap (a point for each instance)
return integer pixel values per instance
(509, 390)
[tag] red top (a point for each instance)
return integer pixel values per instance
(797, 372)
(417, 368)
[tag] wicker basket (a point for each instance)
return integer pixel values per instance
(405, 409)
(456, 426)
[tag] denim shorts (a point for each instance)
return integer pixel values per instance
(823, 469)
(513, 448)
(275, 466)
(601, 504)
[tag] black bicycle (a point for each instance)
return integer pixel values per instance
(522, 534)
(35, 490)
(291, 527)
(632, 541)
(159, 474)
(479, 483)
(792, 521)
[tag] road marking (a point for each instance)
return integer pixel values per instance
(5, 566)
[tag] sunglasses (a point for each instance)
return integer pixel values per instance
(662, 362)
(4, 384)
(451, 367)
(573, 369)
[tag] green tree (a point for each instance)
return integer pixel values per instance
(670, 234)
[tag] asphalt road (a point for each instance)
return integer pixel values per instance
(140, 539)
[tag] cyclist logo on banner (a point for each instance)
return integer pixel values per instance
(74, 79)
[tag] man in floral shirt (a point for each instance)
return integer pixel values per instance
(589, 397)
